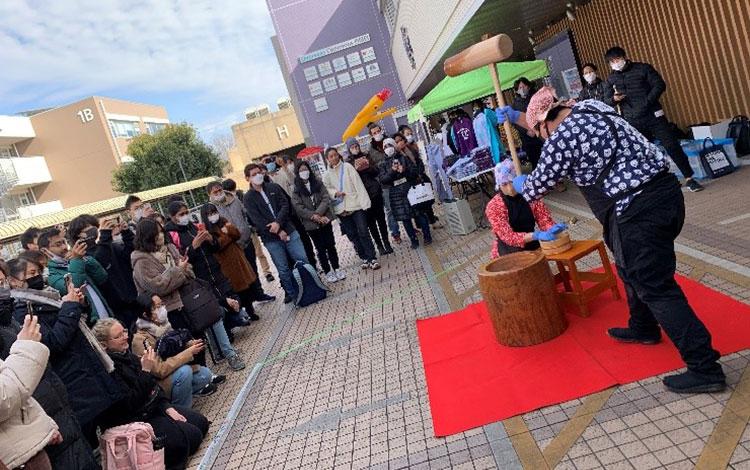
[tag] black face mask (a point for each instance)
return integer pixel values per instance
(35, 282)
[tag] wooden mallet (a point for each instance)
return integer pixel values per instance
(488, 52)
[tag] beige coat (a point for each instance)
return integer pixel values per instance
(25, 428)
(163, 368)
(356, 194)
(150, 276)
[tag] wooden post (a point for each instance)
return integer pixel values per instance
(506, 125)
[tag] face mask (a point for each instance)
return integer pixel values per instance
(35, 282)
(45, 273)
(617, 66)
(390, 151)
(161, 315)
(117, 239)
(522, 92)
(409, 139)
(304, 174)
(354, 151)
(220, 198)
(257, 180)
(271, 167)
(213, 218)
(138, 214)
(378, 137)
(589, 77)
(183, 220)
(290, 167)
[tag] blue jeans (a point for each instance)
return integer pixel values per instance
(185, 383)
(392, 223)
(222, 339)
(279, 251)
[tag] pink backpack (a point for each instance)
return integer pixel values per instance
(130, 447)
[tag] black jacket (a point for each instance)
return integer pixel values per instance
(642, 86)
(594, 91)
(205, 265)
(369, 178)
(260, 215)
(142, 398)
(90, 388)
(119, 290)
(401, 183)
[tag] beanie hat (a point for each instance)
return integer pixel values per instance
(505, 171)
(390, 142)
(539, 105)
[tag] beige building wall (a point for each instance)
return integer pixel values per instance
(265, 134)
(79, 147)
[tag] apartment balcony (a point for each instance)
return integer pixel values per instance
(14, 129)
(18, 174)
(10, 209)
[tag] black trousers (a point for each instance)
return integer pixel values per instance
(306, 241)
(354, 226)
(642, 240)
(325, 243)
(377, 225)
(256, 288)
(182, 438)
(657, 128)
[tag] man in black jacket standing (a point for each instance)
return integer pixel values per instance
(269, 211)
(634, 90)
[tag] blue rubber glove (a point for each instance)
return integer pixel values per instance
(507, 113)
(545, 236)
(518, 182)
(557, 228)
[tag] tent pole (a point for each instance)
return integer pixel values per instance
(506, 124)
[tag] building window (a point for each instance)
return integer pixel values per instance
(154, 127)
(26, 198)
(389, 8)
(282, 131)
(125, 129)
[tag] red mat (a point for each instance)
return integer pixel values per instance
(472, 380)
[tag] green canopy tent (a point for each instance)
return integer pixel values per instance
(456, 91)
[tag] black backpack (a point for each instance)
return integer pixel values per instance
(172, 343)
(739, 130)
(310, 289)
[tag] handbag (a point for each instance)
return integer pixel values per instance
(739, 130)
(714, 160)
(420, 193)
(199, 305)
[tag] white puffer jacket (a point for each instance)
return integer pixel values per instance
(25, 428)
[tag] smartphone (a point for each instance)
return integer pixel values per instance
(145, 345)
(69, 286)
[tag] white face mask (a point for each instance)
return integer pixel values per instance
(161, 315)
(290, 167)
(117, 239)
(378, 137)
(354, 151)
(522, 92)
(220, 198)
(138, 214)
(257, 180)
(304, 174)
(589, 77)
(390, 151)
(617, 66)
(213, 218)
(409, 138)
(183, 220)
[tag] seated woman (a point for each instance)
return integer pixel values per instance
(179, 376)
(513, 220)
(158, 269)
(180, 428)
(231, 257)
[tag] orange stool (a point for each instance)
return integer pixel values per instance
(571, 278)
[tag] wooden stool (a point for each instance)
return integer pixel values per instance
(571, 278)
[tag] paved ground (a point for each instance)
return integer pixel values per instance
(341, 385)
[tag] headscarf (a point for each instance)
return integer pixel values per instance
(505, 171)
(539, 105)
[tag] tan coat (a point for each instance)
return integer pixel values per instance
(231, 258)
(150, 276)
(356, 194)
(163, 369)
(25, 428)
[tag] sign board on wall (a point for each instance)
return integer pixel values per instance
(334, 48)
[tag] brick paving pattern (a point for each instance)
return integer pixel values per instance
(355, 396)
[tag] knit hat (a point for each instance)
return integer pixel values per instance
(389, 141)
(539, 105)
(505, 171)
(351, 141)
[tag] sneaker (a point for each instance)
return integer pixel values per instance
(365, 265)
(288, 298)
(692, 382)
(626, 335)
(414, 244)
(208, 390)
(374, 265)
(218, 379)
(397, 239)
(340, 275)
(236, 362)
(269, 277)
(693, 186)
(331, 277)
(266, 298)
(253, 316)
(387, 250)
